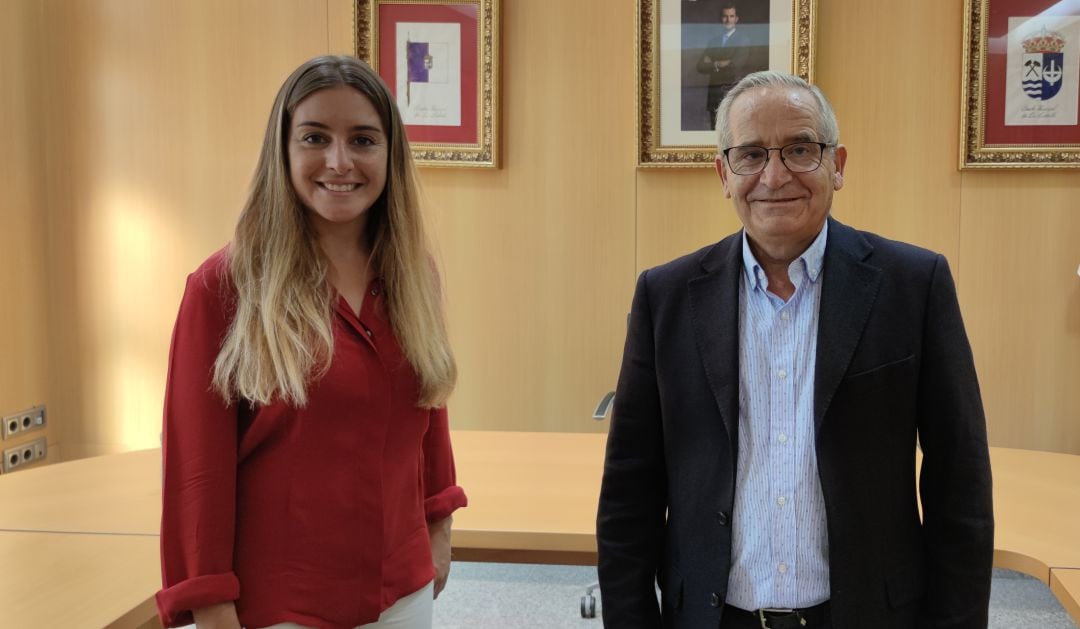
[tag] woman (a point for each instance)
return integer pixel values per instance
(308, 476)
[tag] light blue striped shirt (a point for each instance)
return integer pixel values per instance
(779, 539)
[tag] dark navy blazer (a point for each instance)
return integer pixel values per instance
(893, 367)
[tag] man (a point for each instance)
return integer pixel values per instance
(762, 448)
(724, 60)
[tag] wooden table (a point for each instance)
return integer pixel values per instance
(532, 498)
(1036, 501)
(118, 493)
(1065, 584)
(78, 581)
(1036, 511)
(553, 521)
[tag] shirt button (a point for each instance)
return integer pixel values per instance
(714, 599)
(781, 373)
(782, 438)
(781, 501)
(784, 315)
(368, 332)
(782, 568)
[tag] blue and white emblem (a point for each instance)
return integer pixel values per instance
(1043, 65)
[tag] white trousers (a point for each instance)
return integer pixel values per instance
(409, 612)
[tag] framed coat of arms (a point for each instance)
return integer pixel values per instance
(1021, 88)
(440, 59)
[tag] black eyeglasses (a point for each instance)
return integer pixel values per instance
(798, 157)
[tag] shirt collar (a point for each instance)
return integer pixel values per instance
(810, 261)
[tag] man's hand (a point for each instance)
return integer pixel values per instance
(439, 533)
(220, 616)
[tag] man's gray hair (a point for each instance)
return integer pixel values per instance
(828, 129)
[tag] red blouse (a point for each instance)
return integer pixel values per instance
(318, 515)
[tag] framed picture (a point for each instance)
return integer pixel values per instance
(1021, 83)
(440, 59)
(691, 52)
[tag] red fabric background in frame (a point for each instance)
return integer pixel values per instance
(467, 16)
(994, 114)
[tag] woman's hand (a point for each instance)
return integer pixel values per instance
(220, 616)
(439, 533)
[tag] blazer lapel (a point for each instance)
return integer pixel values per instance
(847, 295)
(714, 315)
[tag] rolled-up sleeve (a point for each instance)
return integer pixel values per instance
(442, 496)
(199, 461)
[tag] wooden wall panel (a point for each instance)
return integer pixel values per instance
(1020, 247)
(339, 27)
(23, 270)
(892, 72)
(901, 179)
(680, 211)
(539, 255)
(156, 113)
(1010, 237)
(148, 125)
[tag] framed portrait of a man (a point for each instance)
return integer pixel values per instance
(1021, 89)
(691, 52)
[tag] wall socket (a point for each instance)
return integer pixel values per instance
(17, 456)
(24, 421)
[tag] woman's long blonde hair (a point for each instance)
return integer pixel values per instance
(281, 338)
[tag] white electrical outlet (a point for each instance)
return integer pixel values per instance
(24, 421)
(17, 456)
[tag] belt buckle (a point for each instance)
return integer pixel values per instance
(765, 621)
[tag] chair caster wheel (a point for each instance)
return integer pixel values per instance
(588, 606)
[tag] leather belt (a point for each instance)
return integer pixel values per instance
(806, 618)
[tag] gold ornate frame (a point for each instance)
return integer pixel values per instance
(484, 153)
(651, 153)
(974, 152)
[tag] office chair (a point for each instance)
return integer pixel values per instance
(588, 602)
